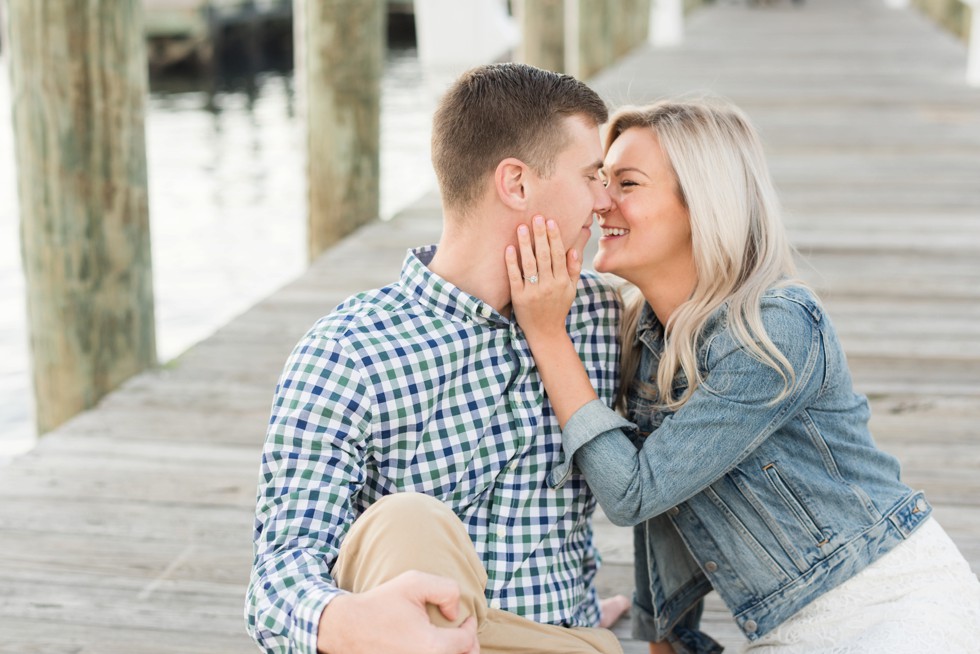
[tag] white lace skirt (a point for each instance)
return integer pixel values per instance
(920, 597)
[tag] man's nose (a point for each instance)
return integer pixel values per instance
(603, 201)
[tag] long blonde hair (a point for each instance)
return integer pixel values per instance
(738, 240)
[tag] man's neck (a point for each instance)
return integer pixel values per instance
(470, 255)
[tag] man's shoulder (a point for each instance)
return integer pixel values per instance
(598, 292)
(362, 314)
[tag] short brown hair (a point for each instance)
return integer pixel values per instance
(504, 110)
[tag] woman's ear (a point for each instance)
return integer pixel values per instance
(510, 179)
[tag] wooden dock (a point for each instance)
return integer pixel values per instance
(129, 529)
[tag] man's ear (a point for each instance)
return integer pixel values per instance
(510, 182)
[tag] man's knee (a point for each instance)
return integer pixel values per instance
(408, 531)
(406, 508)
(412, 521)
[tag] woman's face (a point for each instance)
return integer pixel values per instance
(647, 232)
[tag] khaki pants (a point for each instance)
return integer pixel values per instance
(413, 531)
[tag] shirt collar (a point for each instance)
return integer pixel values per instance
(440, 296)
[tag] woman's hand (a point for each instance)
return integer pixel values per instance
(544, 283)
(542, 289)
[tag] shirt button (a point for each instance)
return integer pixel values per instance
(750, 626)
(672, 511)
(486, 311)
(710, 566)
(501, 532)
(495, 603)
(920, 505)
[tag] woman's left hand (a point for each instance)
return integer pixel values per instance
(544, 283)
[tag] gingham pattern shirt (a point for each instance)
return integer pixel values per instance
(420, 387)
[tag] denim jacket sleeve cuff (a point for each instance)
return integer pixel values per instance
(592, 420)
(685, 637)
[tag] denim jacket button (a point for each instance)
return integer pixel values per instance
(920, 505)
(711, 566)
(750, 626)
(672, 511)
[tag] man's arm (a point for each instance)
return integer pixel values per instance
(312, 466)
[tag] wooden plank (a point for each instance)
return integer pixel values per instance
(54, 634)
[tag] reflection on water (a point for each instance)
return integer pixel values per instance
(226, 164)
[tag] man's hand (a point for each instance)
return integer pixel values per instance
(393, 618)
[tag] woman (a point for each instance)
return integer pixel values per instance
(750, 469)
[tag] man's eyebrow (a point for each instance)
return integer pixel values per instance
(596, 165)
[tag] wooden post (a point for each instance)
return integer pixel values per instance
(973, 43)
(666, 23)
(588, 36)
(542, 33)
(78, 83)
(629, 25)
(342, 50)
(641, 27)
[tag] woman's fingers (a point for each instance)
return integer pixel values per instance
(558, 267)
(541, 246)
(513, 270)
(528, 264)
(540, 251)
(574, 263)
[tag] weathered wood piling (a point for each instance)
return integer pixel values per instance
(342, 51)
(78, 80)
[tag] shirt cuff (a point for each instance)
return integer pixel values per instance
(591, 420)
(306, 617)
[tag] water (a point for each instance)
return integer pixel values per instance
(226, 165)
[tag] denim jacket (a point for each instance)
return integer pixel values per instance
(769, 503)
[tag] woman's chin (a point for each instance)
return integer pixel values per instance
(602, 264)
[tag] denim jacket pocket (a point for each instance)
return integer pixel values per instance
(795, 504)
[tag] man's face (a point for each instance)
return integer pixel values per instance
(574, 190)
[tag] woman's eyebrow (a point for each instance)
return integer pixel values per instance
(628, 169)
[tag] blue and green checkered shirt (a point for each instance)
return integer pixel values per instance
(420, 387)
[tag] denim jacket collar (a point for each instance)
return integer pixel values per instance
(649, 331)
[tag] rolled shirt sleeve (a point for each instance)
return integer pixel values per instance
(590, 421)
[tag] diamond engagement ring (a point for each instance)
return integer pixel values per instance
(532, 279)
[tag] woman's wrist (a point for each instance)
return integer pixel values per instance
(542, 339)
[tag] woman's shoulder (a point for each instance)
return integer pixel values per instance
(786, 311)
(776, 300)
(790, 309)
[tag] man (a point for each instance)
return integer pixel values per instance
(407, 501)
